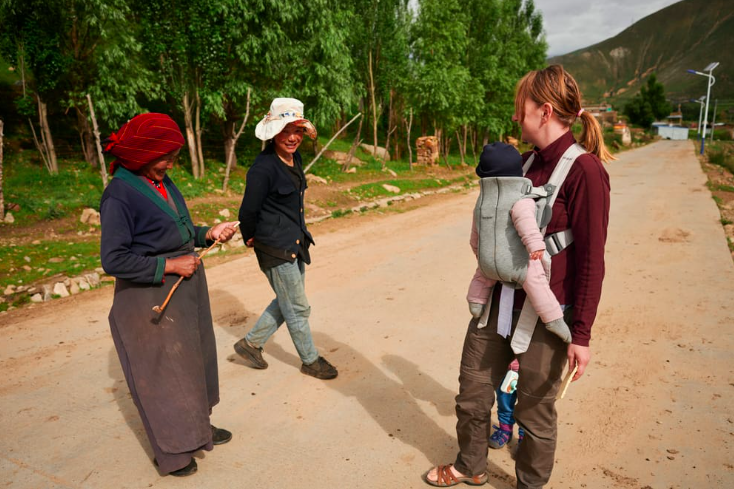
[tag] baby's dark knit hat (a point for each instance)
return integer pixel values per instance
(499, 160)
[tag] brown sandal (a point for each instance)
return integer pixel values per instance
(446, 478)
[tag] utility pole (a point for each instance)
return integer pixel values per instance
(713, 119)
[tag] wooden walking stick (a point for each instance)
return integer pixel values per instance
(159, 309)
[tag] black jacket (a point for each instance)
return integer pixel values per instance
(272, 207)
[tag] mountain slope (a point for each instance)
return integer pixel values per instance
(686, 35)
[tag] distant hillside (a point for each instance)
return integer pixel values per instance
(686, 35)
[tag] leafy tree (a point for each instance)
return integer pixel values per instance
(29, 37)
(71, 48)
(174, 40)
(506, 42)
(317, 63)
(439, 42)
(649, 104)
(380, 48)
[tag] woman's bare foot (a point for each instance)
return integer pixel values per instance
(432, 475)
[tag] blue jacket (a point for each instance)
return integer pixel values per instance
(272, 207)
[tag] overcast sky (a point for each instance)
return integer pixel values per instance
(575, 24)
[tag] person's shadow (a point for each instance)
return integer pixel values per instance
(423, 387)
(230, 316)
(121, 395)
(392, 405)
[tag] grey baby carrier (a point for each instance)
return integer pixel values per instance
(502, 255)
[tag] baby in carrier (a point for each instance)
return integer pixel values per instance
(510, 251)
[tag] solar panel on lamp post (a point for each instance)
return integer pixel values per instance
(711, 81)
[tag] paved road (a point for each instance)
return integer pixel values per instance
(388, 309)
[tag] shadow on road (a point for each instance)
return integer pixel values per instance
(421, 386)
(393, 405)
(121, 395)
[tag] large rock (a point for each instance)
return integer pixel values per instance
(224, 213)
(93, 279)
(315, 179)
(9, 218)
(60, 290)
(391, 188)
(381, 152)
(9, 290)
(36, 298)
(341, 157)
(235, 242)
(73, 288)
(90, 216)
(47, 292)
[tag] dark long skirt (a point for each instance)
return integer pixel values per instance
(170, 363)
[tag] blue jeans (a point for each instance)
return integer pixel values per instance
(506, 409)
(290, 306)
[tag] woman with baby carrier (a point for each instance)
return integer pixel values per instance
(547, 103)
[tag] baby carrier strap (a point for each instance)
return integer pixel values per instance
(555, 242)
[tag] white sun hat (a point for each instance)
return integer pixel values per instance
(282, 112)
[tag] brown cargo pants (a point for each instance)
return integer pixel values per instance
(484, 362)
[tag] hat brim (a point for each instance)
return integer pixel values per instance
(267, 129)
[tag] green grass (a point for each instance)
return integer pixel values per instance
(42, 196)
(212, 181)
(724, 188)
(376, 189)
(25, 264)
(722, 154)
(370, 167)
(45, 197)
(340, 213)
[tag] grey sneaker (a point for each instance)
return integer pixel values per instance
(252, 355)
(321, 369)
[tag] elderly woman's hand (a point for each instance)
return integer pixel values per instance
(184, 266)
(224, 231)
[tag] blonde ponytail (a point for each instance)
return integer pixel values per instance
(592, 137)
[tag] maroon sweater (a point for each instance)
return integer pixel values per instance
(582, 205)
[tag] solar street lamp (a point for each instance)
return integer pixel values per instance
(711, 82)
(700, 111)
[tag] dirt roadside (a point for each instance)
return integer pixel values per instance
(387, 292)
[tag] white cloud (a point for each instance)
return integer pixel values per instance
(574, 24)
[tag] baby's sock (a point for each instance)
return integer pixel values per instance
(560, 328)
(476, 309)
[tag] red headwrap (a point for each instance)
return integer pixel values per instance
(144, 138)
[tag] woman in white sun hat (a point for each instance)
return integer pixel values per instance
(272, 221)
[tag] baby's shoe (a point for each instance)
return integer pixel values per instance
(476, 309)
(501, 436)
(560, 328)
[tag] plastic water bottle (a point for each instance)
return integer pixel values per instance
(510, 383)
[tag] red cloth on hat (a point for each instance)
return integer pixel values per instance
(144, 138)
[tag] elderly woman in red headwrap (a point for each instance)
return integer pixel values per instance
(148, 240)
